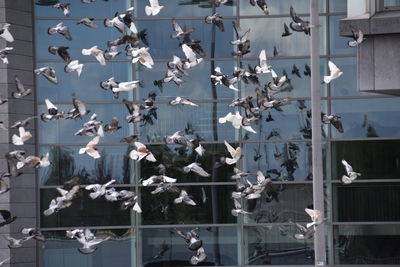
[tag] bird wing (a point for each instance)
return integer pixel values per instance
(93, 142)
(5, 214)
(94, 187)
(79, 106)
(333, 68)
(19, 85)
(231, 150)
(190, 55)
(199, 170)
(349, 169)
(237, 204)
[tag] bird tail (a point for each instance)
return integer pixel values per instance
(327, 79)
(221, 120)
(48, 212)
(17, 140)
(86, 52)
(148, 10)
(79, 69)
(20, 164)
(82, 150)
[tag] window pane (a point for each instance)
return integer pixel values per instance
(367, 202)
(214, 206)
(367, 244)
(63, 252)
(338, 5)
(391, 3)
(338, 44)
(283, 203)
(373, 159)
(220, 245)
(84, 211)
(275, 245)
(280, 7)
(67, 163)
(269, 34)
(367, 117)
(187, 8)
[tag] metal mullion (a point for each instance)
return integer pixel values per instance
(368, 223)
(163, 226)
(365, 181)
(87, 226)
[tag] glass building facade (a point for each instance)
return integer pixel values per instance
(363, 218)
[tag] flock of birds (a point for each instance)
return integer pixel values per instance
(176, 68)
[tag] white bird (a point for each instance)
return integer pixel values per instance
(158, 179)
(236, 154)
(141, 152)
(33, 161)
(143, 56)
(23, 137)
(182, 101)
(89, 241)
(237, 121)
(195, 167)
(59, 28)
(191, 59)
(184, 198)
(5, 33)
(48, 72)
(4, 53)
(16, 243)
(154, 8)
(99, 189)
(350, 174)
(96, 52)
(263, 66)
(316, 217)
(335, 72)
(238, 209)
(199, 257)
(65, 7)
(62, 202)
(358, 37)
(74, 66)
(277, 82)
(126, 86)
(91, 149)
(4, 261)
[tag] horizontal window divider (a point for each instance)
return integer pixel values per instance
(363, 181)
(362, 139)
(152, 185)
(367, 223)
(273, 224)
(187, 225)
(225, 100)
(91, 227)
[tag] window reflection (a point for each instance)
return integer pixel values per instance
(275, 245)
(338, 44)
(220, 245)
(338, 5)
(214, 205)
(367, 244)
(62, 252)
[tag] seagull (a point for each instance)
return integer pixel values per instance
(99, 189)
(191, 59)
(23, 137)
(316, 217)
(61, 51)
(111, 53)
(65, 7)
(358, 37)
(89, 241)
(178, 30)
(52, 110)
(158, 179)
(74, 66)
(33, 161)
(141, 152)
(154, 8)
(261, 4)
(335, 72)
(199, 257)
(263, 67)
(37, 235)
(113, 126)
(143, 56)
(298, 25)
(335, 120)
(89, 22)
(96, 52)
(238, 209)
(7, 217)
(17, 243)
(134, 111)
(59, 28)
(236, 154)
(237, 121)
(4, 53)
(350, 174)
(131, 202)
(21, 91)
(91, 149)
(303, 233)
(184, 198)
(5, 33)
(286, 30)
(217, 20)
(48, 72)
(195, 167)
(182, 101)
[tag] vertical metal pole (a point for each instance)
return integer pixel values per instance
(318, 184)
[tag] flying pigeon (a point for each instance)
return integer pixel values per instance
(191, 238)
(35, 233)
(237, 121)
(74, 66)
(358, 37)
(89, 241)
(316, 217)
(238, 209)
(350, 174)
(335, 120)
(98, 189)
(165, 187)
(141, 152)
(298, 25)
(11, 166)
(217, 20)
(335, 72)
(296, 71)
(23, 137)
(61, 51)
(261, 4)
(96, 52)
(191, 59)
(134, 112)
(65, 7)
(111, 53)
(131, 202)
(5, 33)
(182, 101)
(195, 167)
(89, 22)
(59, 28)
(52, 111)
(48, 72)
(278, 82)
(307, 71)
(143, 56)
(79, 110)
(217, 3)
(21, 91)
(7, 217)
(17, 243)
(302, 233)
(154, 8)
(199, 257)
(158, 179)
(91, 149)
(286, 31)
(236, 154)
(184, 198)
(33, 161)
(263, 67)
(4, 186)
(63, 201)
(4, 53)
(113, 126)
(178, 30)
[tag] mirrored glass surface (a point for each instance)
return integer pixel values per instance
(377, 117)
(338, 5)
(391, 3)
(214, 205)
(373, 159)
(84, 211)
(100, 8)
(187, 8)
(366, 202)
(338, 44)
(275, 245)
(216, 44)
(367, 244)
(280, 203)
(297, 70)
(87, 86)
(63, 252)
(67, 163)
(175, 158)
(219, 243)
(269, 34)
(279, 7)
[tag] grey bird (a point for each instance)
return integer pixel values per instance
(286, 31)
(5, 33)
(179, 32)
(302, 233)
(37, 234)
(182, 101)
(335, 120)
(59, 28)
(89, 241)
(22, 123)
(7, 217)
(4, 53)
(89, 22)
(16, 243)
(298, 24)
(113, 126)
(261, 4)
(134, 111)
(62, 51)
(63, 201)
(238, 209)
(165, 187)
(199, 257)
(131, 202)
(351, 175)
(112, 52)
(21, 91)
(79, 110)
(48, 72)
(130, 139)
(184, 198)
(358, 37)
(98, 189)
(65, 7)
(191, 238)
(241, 35)
(215, 19)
